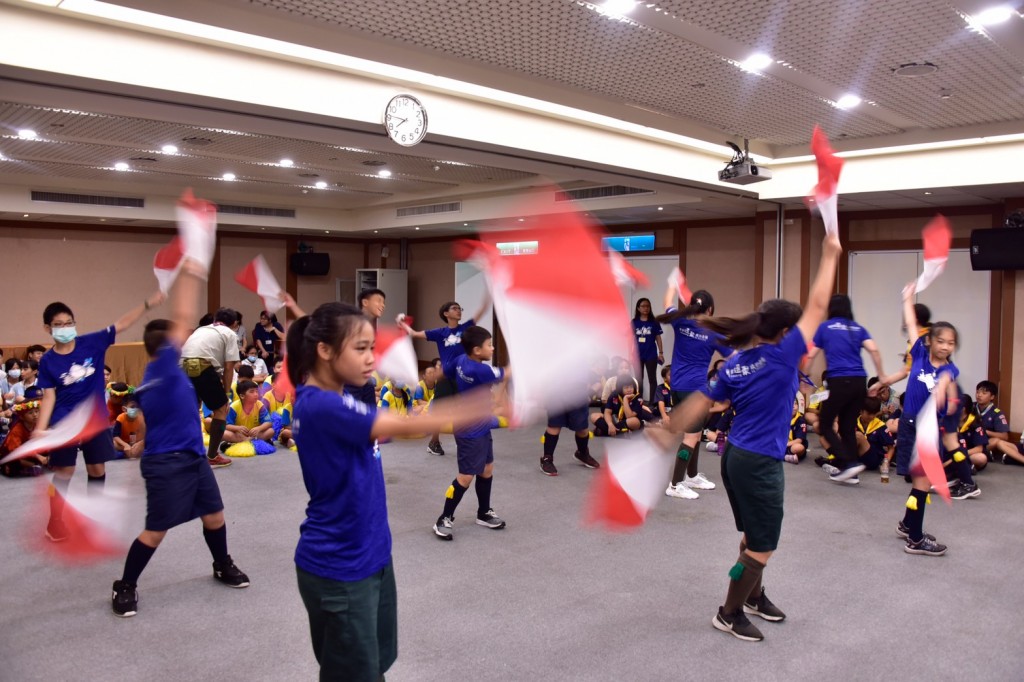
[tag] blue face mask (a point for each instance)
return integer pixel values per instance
(64, 334)
(252, 359)
(14, 374)
(132, 412)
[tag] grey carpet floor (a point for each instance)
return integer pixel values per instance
(546, 598)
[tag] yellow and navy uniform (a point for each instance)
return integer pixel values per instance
(394, 399)
(879, 441)
(238, 417)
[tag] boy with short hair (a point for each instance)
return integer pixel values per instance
(874, 442)
(474, 447)
(130, 429)
(248, 417)
(624, 411)
(35, 352)
(663, 395)
(996, 426)
(973, 438)
(117, 391)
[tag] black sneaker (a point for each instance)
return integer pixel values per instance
(435, 448)
(904, 532)
(226, 572)
(223, 447)
(820, 460)
(443, 527)
(547, 465)
(763, 606)
(125, 599)
(586, 460)
(965, 490)
(737, 625)
(490, 520)
(925, 546)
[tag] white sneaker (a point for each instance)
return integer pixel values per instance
(681, 491)
(829, 469)
(698, 482)
(712, 446)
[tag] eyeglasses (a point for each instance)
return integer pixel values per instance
(456, 307)
(63, 325)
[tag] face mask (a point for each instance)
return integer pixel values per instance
(14, 374)
(252, 358)
(132, 412)
(64, 334)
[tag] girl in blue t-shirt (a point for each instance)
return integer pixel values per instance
(344, 551)
(760, 381)
(649, 350)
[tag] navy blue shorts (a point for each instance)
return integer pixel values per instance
(576, 419)
(180, 486)
(473, 454)
(98, 450)
(906, 435)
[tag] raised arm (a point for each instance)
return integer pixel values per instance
(670, 297)
(821, 288)
(291, 305)
(909, 317)
(484, 305)
(133, 315)
(184, 295)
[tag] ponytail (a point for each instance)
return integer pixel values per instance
(738, 331)
(700, 304)
(298, 357)
(772, 317)
(331, 324)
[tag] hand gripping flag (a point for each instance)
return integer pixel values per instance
(825, 196)
(257, 277)
(167, 263)
(677, 281)
(926, 449)
(396, 358)
(87, 419)
(629, 483)
(197, 227)
(625, 274)
(937, 238)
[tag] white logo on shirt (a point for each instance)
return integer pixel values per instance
(746, 370)
(353, 404)
(78, 372)
(693, 334)
(843, 327)
(927, 379)
(453, 340)
(644, 331)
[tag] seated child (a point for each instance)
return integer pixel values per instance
(118, 391)
(130, 429)
(996, 426)
(796, 448)
(813, 406)
(29, 375)
(893, 423)
(890, 401)
(623, 370)
(252, 359)
(248, 417)
(394, 398)
(664, 394)
(424, 390)
(624, 411)
(268, 383)
(242, 373)
(874, 442)
(26, 415)
(973, 438)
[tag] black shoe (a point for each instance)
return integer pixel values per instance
(965, 490)
(435, 448)
(925, 546)
(820, 460)
(125, 599)
(226, 572)
(904, 532)
(763, 606)
(223, 447)
(737, 625)
(586, 460)
(547, 465)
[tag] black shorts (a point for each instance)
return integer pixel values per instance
(576, 419)
(756, 485)
(210, 388)
(473, 454)
(445, 388)
(906, 437)
(97, 450)
(180, 486)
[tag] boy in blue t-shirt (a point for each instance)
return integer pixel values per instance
(180, 485)
(474, 447)
(449, 342)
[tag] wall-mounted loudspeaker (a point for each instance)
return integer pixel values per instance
(314, 264)
(1001, 248)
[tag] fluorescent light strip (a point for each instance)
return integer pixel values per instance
(908, 148)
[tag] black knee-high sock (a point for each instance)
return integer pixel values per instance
(217, 541)
(682, 461)
(95, 484)
(744, 574)
(962, 464)
(583, 444)
(483, 493)
(915, 514)
(691, 469)
(550, 442)
(756, 589)
(217, 427)
(452, 497)
(58, 493)
(139, 555)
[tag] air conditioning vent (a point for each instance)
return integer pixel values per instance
(256, 211)
(430, 209)
(87, 199)
(602, 192)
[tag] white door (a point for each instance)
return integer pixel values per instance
(657, 269)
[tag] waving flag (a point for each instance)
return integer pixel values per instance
(825, 196)
(99, 527)
(629, 484)
(197, 226)
(167, 263)
(677, 281)
(926, 450)
(396, 358)
(257, 277)
(625, 274)
(937, 238)
(89, 418)
(558, 308)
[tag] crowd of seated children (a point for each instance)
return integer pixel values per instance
(874, 442)
(252, 359)
(996, 426)
(624, 411)
(25, 415)
(796, 447)
(117, 391)
(248, 417)
(129, 430)
(973, 438)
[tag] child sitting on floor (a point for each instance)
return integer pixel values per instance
(118, 391)
(130, 429)
(874, 442)
(26, 414)
(796, 448)
(973, 437)
(248, 417)
(624, 411)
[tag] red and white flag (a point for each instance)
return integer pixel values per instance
(629, 483)
(677, 280)
(625, 274)
(396, 357)
(824, 196)
(99, 527)
(926, 449)
(197, 227)
(167, 264)
(937, 238)
(87, 419)
(257, 277)
(559, 309)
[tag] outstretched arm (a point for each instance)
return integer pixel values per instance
(184, 295)
(484, 306)
(670, 297)
(821, 288)
(133, 315)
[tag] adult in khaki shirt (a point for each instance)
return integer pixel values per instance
(209, 357)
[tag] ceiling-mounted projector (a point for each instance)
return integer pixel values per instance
(741, 170)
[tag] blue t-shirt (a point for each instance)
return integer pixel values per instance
(345, 535)
(761, 383)
(922, 379)
(449, 345)
(169, 402)
(471, 374)
(692, 353)
(842, 339)
(993, 419)
(77, 375)
(645, 331)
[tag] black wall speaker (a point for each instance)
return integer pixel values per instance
(1000, 248)
(316, 264)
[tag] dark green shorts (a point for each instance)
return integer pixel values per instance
(354, 625)
(679, 396)
(444, 388)
(755, 485)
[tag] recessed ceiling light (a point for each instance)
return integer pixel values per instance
(617, 8)
(991, 16)
(465, 224)
(121, 166)
(522, 220)
(848, 101)
(320, 184)
(915, 69)
(228, 176)
(169, 149)
(661, 208)
(327, 231)
(27, 134)
(287, 163)
(927, 194)
(376, 231)
(383, 173)
(416, 228)
(103, 220)
(756, 62)
(263, 228)
(24, 215)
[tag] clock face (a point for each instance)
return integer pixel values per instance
(405, 120)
